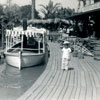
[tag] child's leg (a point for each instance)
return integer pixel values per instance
(63, 63)
(67, 64)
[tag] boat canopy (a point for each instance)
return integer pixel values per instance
(30, 32)
(18, 35)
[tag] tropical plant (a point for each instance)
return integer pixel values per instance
(50, 9)
(1, 10)
(63, 13)
(26, 12)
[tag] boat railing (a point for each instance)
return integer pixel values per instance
(10, 44)
(26, 49)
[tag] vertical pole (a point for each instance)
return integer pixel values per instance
(9, 41)
(43, 44)
(22, 43)
(13, 40)
(39, 47)
(6, 43)
(20, 60)
(2, 35)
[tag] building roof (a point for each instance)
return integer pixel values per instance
(82, 14)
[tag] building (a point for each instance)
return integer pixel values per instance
(88, 14)
(88, 5)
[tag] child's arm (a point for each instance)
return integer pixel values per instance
(70, 50)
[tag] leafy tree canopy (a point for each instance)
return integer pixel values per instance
(50, 9)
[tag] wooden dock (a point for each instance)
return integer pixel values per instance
(80, 82)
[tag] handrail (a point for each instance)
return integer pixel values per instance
(26, 49)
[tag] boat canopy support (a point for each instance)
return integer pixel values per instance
(14, 37)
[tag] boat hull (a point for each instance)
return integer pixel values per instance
(26, 59)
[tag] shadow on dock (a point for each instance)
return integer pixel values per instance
(69, 69)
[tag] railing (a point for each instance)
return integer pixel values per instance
(26, 49)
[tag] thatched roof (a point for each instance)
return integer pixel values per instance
(47, 21)
(40, 21)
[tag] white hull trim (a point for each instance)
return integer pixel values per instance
(21, 60)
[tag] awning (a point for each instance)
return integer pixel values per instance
(32, 31)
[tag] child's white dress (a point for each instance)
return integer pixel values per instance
(65, 58)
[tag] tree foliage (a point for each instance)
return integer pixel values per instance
(56, 11)
(1, 10)
(16, 13)
(50, 9)
(26, 11)
(63, 13)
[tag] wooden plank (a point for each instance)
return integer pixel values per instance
(76, 64)
(70, 88)
(83, 79)
(98, 93)
(93, 87)
(72, 97)
(76, 86)
(77, 93)
(83, 93)
(81, 82)
(68, 93)
(83, 90)
(45, 95)
(88, 80)
(89, 92)
(35, 86)
(50, 95)
(94, 94)
(83, 65)
(95, 80)
(94, 73)
(44, 90)
(44, 85)
(52, 87)
(89, 87)
(65, 87)
(61, 87)
(54, 82)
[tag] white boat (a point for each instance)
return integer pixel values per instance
(25, 48)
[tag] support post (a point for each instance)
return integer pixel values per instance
(43, 44)
(6, 43)
(20, 60)
(39, 47)
(22, 43)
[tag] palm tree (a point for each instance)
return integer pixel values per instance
(50, 9)
(33, 9)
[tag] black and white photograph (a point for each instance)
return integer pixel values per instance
(49, 50)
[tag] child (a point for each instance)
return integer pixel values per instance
(65, 56)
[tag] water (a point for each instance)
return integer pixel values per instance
(13, 83)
